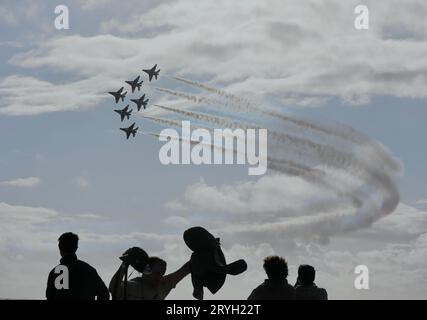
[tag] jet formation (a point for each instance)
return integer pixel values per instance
(118, 94)
(140, 102)
(130, 130)
(125, 112)
(135, 84)
(152, 72)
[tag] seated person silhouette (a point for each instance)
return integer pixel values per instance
(74, 279)
(305, 289)
(276, 287)
(153, 284)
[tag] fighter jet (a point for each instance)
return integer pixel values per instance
(124, 112)
(135, 84)
(117, 95)
(130, 131)
(140, 102)
(152, 72)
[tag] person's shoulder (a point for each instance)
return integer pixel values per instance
(51, 272)
(255, 293)
(260, 287)
(50, 275)
(290, 287)
(323, 293)
(85, 266)
(259, 293)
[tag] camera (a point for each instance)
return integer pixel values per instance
(136, 257)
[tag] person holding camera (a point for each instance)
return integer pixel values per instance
(153, 284)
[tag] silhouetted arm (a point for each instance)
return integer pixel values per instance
(50, 288)
(252, 296)
(115, 286)
(173, 278)
(170, 281)
(101, 290)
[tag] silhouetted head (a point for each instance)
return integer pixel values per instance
(276, 268)
(158, 270)
(68, 243)
(306, 274)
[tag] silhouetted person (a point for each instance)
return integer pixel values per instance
(208, 265)
(152, 285)
(305, 288)
(82, 280)
(276, 287)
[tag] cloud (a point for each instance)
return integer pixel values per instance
(177, 221)
(24, 214)
(251, 51)
(22, 182)
(23, 95)
(14, 14)
(90, 216)
(272, 193)
(421, 202)
(88, 5)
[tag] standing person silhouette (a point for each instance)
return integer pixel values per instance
(305, 288)
(74, 279)
(276, 287)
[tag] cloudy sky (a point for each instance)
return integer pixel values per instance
(65, 166)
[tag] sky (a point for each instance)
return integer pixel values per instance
(65, 166)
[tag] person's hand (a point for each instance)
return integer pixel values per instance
(198, 293)
(124, 265)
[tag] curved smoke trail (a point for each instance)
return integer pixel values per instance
(346, 133)
(378, 172)
(288, 167)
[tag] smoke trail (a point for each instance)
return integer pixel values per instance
(163, 121)
(344, 132)
(189, 97)
(327, 154)
(380, 173)
(288, 167)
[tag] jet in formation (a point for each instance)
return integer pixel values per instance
(135, 84)
(125, 112)
(130, 130)
(118, 94)
(152, 72)
(140, 102)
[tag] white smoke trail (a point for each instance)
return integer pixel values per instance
(327, 154)
(377, 169)
(346, 133)
(314, 176)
